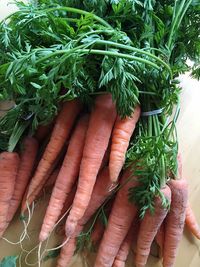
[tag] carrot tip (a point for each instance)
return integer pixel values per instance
(70, 227)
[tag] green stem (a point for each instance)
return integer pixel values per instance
(98, 52)
(177, 21)
(78, 11)
(121, 55)
(134, 49)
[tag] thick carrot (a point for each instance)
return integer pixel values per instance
(122, 132)
(97, 139)
(27, 162)
(66, 178)
(9, 163)
(191, 222)
(122, 255)
(175, 220)
(160, 238)
(119, 222)
(102, 190)
(60, 134)
(149, 227)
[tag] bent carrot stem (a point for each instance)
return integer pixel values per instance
(66, 178)
(60, 134)
(175, 220)
(122, 132)
(119, 222)
(191, 222)
(97, 139)
(9, 163)
(28, 157)
(122, 255)
(149, 227)
(102, 190)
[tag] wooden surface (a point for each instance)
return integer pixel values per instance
(189, 137)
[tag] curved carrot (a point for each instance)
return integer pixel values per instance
(149, 227)
(175, 220)
(60, 133)
(9, 163)
(122, 132)
(123, 252)
(159, 238)
(102, 190)
(66, 178)
(191, 222)
(28, 157)
(119, 222)
(97, 139)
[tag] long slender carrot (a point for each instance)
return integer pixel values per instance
(60, 134)
(149, 227)
(191, 222)
(175, 220)
(102, 190)
(66, 178)
(97, 139)
(119, 222)
(122, 255)
(28, 156)
(122, 132)
(160, 238)
(9, 163)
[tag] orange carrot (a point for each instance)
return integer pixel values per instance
(119, 222)
(9, 163)
(123, 252)
(122, 132)
(191, 222)
(102, 190)
(97, 139)
(175, 220)
(149, 227)
(60, 134)
(159, 238)
(66, 178)
(28, 156)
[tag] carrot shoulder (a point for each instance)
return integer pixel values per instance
(122, 132)
(60, 133)
(97, 139)
(175, 220)
(149, 227)
(9, 163)
(102, 190)
(119, 222)
(28, 157)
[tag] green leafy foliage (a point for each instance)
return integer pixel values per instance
(9, 261)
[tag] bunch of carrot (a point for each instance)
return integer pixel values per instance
(83, 162)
